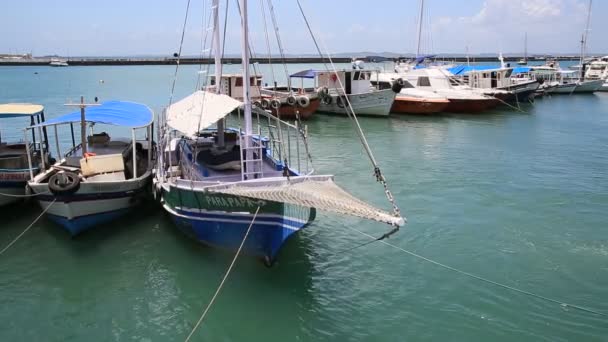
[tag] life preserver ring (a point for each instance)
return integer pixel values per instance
(303, 101)
(291, 100)
(265, 103)
(276, 104)
(341, 101)
(327, 100)
(257, 104)
(64, 183)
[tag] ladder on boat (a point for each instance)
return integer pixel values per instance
(252, 159)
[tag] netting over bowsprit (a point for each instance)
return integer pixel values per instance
(318, 192)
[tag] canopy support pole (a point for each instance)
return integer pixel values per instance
(57, 143)
(134, 154)
(42, 149)
(150, 132)
(83, 127)
(29, 154)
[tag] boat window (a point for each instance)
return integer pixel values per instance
(357, 75)
(212, 80)
(423, 81)
(238, 82)
(407, 84)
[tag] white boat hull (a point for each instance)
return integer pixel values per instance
(604, 87)
(564, 89)
(94, 203)
(589, 86)
(376, 103)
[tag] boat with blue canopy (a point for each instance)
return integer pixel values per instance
(14, 168)
(102, 177)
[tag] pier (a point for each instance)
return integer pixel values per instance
(97, 61)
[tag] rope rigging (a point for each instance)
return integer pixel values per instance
(28, 227)
(351, 114)
(219, 288)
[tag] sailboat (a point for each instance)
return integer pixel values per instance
(524, 61)
(226, 186)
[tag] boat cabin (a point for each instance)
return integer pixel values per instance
(14, 154)
(232, 85)
(490, 79)
(353, 81)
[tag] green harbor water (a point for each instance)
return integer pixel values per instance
(518, 198)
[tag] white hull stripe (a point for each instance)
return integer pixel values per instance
(231, 219)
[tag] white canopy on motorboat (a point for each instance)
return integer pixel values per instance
(10, 110)
(198, 111)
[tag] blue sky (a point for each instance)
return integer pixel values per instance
(132, 27)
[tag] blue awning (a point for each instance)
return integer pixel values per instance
(117, 113)
(304, 74)
(522, 70)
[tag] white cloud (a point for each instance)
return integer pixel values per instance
(552, 25)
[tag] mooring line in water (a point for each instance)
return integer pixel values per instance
(28, 227)
(555, 301)
(219, 288)
(25, 196)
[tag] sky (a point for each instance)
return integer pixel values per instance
(153, 27)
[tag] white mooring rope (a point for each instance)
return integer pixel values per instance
(470, 275)
(25, 196)
(28, 227)
(219, 288)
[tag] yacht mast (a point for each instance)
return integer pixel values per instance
(420, 17)
(584, 40)
(246, 83)
(217, 47)
(526, 47)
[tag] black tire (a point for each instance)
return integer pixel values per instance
(265, 104)
(303, 101)
(275, 104)
(327, 100)
(291, 100)
(69, 185)
(398, 85)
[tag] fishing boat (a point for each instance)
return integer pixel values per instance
(101, 178)
(355, 85)
(285, 102)
(246, 185)
(510, 87)
(463, 99)
(14, 168)
(410, 100)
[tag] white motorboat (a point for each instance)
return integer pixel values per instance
(356, 85)
(56, 62)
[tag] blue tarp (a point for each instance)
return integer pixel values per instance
(463, 69)
(304, 74)
(117, 113)
(421, 59)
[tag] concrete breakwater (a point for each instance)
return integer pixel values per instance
(189, 60)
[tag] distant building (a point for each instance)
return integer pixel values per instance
(6, 56)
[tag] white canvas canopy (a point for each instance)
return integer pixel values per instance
(199, 111)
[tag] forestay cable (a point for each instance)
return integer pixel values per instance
(219, 288)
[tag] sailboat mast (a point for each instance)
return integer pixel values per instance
(217, 47)
(585, 38)
(526, 47)
(420, 17)
(246, 76)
